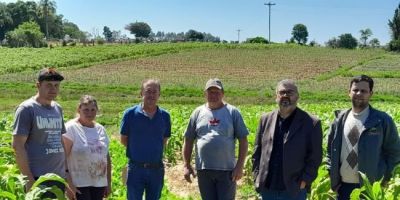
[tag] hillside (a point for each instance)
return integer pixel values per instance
(113, 73)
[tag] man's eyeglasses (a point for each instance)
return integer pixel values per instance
(286, 92)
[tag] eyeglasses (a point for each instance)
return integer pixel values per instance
(286, 92)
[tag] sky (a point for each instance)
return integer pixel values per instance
(324, 19)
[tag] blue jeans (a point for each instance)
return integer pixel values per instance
(144, 180)
(283, 195)
(345, 190)
(216, 185)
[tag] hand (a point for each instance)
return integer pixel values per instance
(303, 184)
(71, 191)
(237, 173)
(29, 184)
(188, 170)
(107, 192)
(337, 188)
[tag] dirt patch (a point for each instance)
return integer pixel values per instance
(178, 185)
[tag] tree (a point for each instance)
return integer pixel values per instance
(160, 36)
(208, 37)
(6, 20)
(314, 43)
(347, 41)
(193, 35)
(374, 43)
(116, 35)
(107, 34)
(73, 31)
(365, 34)
(300, 33)
(333, 43)
(50, 23)
(394, 44)
(27, 34)
(139, 29)
(48, 8)
(395, 24)
(22, 12)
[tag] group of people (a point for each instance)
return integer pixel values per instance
(285, 161)
(77, 150)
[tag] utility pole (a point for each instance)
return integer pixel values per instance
(238, 35)
(269, 4)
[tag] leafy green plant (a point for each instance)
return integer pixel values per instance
(320, 189)
(379, 190)
(11, 182)
(38, 190)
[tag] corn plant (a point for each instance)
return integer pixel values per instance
(379, 190)
(320, 189)
(38, 190)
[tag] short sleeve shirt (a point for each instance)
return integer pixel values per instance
(215, 132)
(43, 125)
(145, 135)
(87, 161)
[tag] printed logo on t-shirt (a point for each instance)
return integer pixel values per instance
(49, 123)
(214, 122)
(53, 126)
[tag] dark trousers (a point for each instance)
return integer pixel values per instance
(345, 190)
(216, 185)
(283, 195)
(90, 193)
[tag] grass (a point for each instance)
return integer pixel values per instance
(249, 74)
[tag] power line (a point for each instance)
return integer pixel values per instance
(269, 4)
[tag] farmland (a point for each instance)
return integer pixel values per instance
(249, 73)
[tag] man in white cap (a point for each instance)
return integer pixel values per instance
(213, 129)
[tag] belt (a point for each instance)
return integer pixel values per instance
(147, 165)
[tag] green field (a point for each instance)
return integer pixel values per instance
(249, 72)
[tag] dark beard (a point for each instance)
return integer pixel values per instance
(360, 105)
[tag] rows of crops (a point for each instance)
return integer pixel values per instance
(23, 59)
(11, 180)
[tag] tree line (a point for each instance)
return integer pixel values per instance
(32, 24)
(41, 17)
(27, 23)
(142, 31)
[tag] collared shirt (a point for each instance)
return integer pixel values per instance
(145, 134)
(275, 172)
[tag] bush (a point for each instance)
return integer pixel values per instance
(100, 41)
(394, 45)
(260, 40)
(26, 35)
(333, 43)
(346, 41)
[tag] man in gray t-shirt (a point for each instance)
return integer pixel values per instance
(37, 130)
(213, 129)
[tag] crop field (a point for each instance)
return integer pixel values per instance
(249, 74)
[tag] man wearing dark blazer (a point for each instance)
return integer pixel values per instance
(288, 148)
